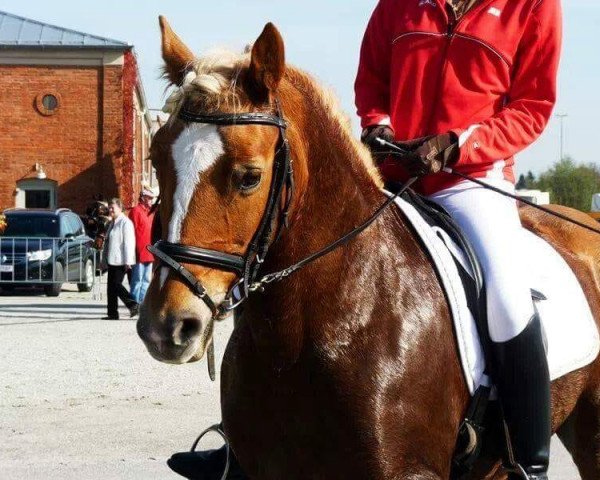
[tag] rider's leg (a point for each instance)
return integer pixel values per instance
(208, 464)
(492, 224)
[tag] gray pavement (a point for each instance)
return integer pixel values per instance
(81, 399)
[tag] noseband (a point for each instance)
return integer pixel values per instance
(246, 267)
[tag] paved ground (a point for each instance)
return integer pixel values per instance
(81, 399)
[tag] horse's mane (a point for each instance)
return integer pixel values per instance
(212, 82)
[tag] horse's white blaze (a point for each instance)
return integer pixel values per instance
(196, 149)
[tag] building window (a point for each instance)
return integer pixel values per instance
(48, 103)
(37, 198)
(36, 193)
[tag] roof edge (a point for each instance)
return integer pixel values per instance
(70, 30)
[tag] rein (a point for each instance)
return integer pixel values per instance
(398, 151)
(286, 272)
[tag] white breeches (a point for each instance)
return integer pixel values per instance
(491, 223)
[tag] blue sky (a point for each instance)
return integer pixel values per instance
(324, 37)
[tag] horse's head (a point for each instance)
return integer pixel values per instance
(214, 182)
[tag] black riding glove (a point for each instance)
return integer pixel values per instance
(369, 138)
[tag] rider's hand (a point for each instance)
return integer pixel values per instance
(432, 155)
(369, 138)
(411, 145)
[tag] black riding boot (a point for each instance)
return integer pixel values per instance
(524, 387)
(206, 465)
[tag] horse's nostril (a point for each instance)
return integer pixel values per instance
(187, 329)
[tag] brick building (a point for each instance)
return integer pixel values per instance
(75, 124)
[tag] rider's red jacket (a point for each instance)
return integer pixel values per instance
(490, 77)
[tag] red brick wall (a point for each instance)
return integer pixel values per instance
(80, 146)
(128, 186)
(111, 156)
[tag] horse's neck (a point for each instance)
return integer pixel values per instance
(337, 197)
(336, 194)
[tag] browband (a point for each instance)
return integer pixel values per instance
(225, 119)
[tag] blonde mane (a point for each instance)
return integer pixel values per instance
(212, 81)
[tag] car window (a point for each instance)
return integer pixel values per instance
(65, 226)
(70, 226)
(36, 226)
(76, 226)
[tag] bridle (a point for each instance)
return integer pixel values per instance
(246, 267)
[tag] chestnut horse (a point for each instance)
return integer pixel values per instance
(347, 369)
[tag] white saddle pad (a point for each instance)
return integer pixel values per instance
(573, 338)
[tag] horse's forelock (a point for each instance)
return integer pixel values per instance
(211, 80)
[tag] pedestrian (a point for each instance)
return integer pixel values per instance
(142, 217)
(119, 257)
(467, 84)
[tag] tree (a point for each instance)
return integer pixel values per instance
(530, 179)
(526, 182)
(571, 184)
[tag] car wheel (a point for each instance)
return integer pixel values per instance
(54, 289)
(88, 277)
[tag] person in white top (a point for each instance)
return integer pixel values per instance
(119, 256)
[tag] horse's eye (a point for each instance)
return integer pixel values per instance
(248, 180)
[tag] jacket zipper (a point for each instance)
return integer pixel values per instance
(453, 24)
(449, 35)
(484, 44)
(416, 32)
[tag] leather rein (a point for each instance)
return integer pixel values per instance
(247, 267)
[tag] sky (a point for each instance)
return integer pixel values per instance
(323, 37)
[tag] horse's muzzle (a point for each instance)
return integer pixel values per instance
(173, 339)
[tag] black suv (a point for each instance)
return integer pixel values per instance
(45, 248)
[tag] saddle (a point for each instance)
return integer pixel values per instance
(555, 291)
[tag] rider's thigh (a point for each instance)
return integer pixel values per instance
(491, 223)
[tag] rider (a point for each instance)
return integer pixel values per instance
(468, 84)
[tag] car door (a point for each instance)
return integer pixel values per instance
(69, 246)
(75, 248)
(82, 248)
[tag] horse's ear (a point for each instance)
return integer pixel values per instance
(267, 61)
(175, 53)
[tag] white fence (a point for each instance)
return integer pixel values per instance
(48, 261)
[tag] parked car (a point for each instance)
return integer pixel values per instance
(45, 248)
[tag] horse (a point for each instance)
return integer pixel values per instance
(348, 368)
